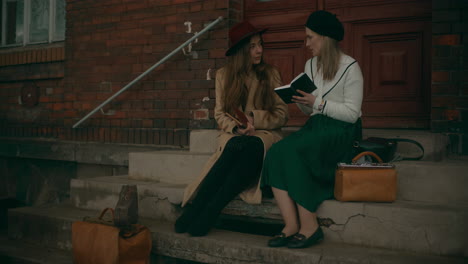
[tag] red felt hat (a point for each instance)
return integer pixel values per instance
(240, 32)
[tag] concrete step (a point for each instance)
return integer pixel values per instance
(18, 252)
(156, 200)
(203, 140)
(441, 182)
(424, 181)
(220, 246)
(414, 226)
(178, 167)
(435, 144)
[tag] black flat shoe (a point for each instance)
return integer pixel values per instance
(300, 241)
(279, 240)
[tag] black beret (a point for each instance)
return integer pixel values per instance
(325, 24)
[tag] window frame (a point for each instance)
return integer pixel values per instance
(26, 24)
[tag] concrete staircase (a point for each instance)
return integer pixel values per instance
(425, 225)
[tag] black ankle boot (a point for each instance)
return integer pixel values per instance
(205, 221)
(182, 223)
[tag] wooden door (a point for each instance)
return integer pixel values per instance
(390, 39)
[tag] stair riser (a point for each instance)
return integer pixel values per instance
(403, 228)
(434, 144)
(370, 224)
(166, 167)
(381, 225)
(218, 247)
(417, 181)
(434, 184)
(148, 207)
(361, 226)
(153, 202)
(203, 140)
(43, 230)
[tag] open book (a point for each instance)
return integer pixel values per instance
(301, 82)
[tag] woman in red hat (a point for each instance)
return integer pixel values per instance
(301, 168)
(245, 84)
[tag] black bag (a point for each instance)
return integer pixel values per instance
(386, 148)
(126, 210)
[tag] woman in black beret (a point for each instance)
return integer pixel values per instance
(301, 168)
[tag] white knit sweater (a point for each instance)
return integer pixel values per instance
(342, 95)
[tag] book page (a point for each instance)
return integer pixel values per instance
(282, 87)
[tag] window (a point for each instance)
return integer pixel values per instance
(25, 22)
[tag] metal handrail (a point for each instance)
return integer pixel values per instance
(149, 70)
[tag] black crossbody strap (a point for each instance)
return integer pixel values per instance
(413, 142)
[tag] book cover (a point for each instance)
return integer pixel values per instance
(301, 82)
(240, 118)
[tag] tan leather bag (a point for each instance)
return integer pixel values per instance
(97, 241)
(376, 182)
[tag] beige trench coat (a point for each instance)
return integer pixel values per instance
(267, 125)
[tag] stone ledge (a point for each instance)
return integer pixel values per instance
(412, 226)
(219, 246)
(82, 152)
(156, 200)
(435, 144)
(178, 167)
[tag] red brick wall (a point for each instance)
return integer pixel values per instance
(450, 71)
(41, 67)
(108, 44)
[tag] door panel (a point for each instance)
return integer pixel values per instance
(284, 41)
(392, 57)
(260, 6)
(289, 61)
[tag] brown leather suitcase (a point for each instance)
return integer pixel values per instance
(98, 241)
(368, 182)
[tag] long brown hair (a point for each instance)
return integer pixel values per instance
(237, 70)
(329, 58)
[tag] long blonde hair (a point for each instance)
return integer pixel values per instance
(329, 58)
(238, 68)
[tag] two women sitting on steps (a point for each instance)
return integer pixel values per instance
(299, 169)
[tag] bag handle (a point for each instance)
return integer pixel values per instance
(104, 212)
(413, 142)
(367, 153)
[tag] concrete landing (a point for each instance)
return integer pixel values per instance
(435, 144)
(219, 246)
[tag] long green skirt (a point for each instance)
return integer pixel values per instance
(304, 163)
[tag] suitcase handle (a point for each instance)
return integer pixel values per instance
(367, 153)
(104, 211)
